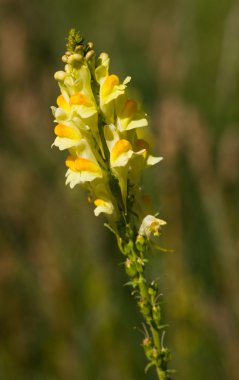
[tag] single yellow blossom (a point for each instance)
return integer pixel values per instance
(151, 225)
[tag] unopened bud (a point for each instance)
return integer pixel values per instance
(64, 58)
(140, 242)
(79, 47)
(154, 352)
(146, 342)
(89, 55)
(67, 69)
(60, 75)
(75, 58)
(130, 268)
(90, 44)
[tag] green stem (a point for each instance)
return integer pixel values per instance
(146, 297)
(155, 335)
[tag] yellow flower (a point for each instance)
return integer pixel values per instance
(82, 165)
(83, 105)
(110, 90)
(67, 137)
(143, 146)
(63, 104)
(67, 132)
(121, 153)
(104, 199)
(129, 116)
(76, 80)
(66, 116)
(81, 170)
(103, 206)
(120, 149)
(151, 225)
(94, 114)
(102, 69)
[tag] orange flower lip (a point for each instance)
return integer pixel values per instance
(99, 202)
(129, 109)
(67, 132)
(80, 164)
(62, 103)
(70, 163)
(108, 85)
(80, 99)
(120, 147)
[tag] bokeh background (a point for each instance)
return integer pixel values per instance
(64, 312)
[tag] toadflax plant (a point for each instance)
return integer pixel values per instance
(99, 125)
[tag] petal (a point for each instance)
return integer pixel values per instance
(85, 165)
(102, 70)
(121, 153)
(151, 160)
(80, 99)
(63, 143)
(129, 109)
(62, 130)
(62, 103)
(151, 225)
(103, 206)
(109, 83)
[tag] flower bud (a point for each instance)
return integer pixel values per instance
(67, 69)
(153, 289)
(90, 44)
(140, 242)
(144, 307)
(156, 314)
(139, 265)
(64, 58)
(75, 58)
(60, 75)
(89, 55)
(130, 267)
(79, 47)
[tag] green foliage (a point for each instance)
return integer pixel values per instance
(74, 39)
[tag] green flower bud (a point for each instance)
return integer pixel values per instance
(153, 289)
(140, 243)
(139, 265)
(156, 314)
(130, 267)
(144, 307)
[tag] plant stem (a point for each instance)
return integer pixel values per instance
(146, 295)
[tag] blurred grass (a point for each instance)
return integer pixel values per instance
(64, 313)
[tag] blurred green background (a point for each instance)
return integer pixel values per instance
(64, 313)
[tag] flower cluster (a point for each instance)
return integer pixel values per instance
(97, 123)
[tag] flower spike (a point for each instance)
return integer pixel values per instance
(101, 128)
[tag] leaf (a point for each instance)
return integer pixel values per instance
(148, 366)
